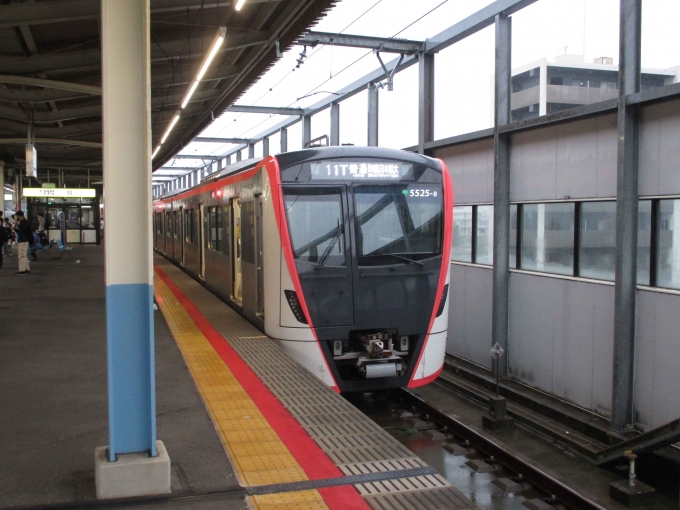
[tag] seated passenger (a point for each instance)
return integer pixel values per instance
(37, 245)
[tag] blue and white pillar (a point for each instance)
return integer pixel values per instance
(129, 264)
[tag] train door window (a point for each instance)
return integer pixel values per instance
(170, 221)
(189, 225)
(177, 224)
(259, 256)
(237, 291)
(201, 240)
(212, 228)
(314, 220)
(181, 233)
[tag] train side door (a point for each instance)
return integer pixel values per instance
(259, 258)
(201, 241)
(181, 233)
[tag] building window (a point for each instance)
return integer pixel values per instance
(668, 245)
(548, 238)
(461, 247)
(597, 251)
(189, 225)
(513, 235)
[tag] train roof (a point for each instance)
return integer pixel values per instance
(287, 159)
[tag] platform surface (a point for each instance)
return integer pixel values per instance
(53, 397)
(280, 424)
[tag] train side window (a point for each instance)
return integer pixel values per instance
(316, 225)
(215, 228)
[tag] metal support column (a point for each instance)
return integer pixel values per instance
(284, 140)
(306, 130)
(335, 124)
(265, 147)
(2, 187)
(626, 216)
(251, 150)
(501, 211)
(238, 156)
(425, 100)
(372, 115)
(126, 108)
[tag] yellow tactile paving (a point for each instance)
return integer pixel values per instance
(258, 455)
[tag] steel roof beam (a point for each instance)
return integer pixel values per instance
(51, 84)
(48, 117)
(360, 41)
(273, 110)
(53, 141)
(188, 156)
(220, 140)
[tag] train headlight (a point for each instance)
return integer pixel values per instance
(403, 343)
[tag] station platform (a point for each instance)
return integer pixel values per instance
(245, 426)
(293, 442)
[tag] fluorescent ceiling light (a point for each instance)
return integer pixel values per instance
(155, 152)
(221, 33)
(172, 125)
(239, 4)
(190, 93)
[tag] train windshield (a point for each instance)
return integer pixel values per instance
(398, 222)
(315, 221)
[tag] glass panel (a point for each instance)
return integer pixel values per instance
(87, 214)
(178, 219)
(73, 218)
(218, 227)
(53, 219)
(398, 220)
(597, 257)
(513, 236)
(668, 259)
(548, 238)
(484, 227)
(644, 241)
(315, 227)
(189, 225)
(213, 228)
(461, 248)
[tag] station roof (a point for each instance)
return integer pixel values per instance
(50, 70)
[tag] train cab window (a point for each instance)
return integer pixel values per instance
(315, 221)
(398, 221)
(189, 225)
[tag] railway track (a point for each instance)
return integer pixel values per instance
(555, 493)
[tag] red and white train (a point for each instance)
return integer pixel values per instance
(341, 254)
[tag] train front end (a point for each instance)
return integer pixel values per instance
(369, 233)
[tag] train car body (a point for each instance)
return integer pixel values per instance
(340, 254)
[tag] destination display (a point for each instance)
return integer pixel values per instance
(60, 192)
(361, 170)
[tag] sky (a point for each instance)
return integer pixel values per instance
(463, 72)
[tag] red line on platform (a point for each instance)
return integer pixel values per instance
(307, 453)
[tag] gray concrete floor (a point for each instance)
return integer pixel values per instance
(53, 397)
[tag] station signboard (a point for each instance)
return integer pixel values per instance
(60, 192)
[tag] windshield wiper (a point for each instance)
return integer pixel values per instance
(329, 248)
(410, 261)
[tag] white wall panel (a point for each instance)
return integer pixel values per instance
(660, 149)
(657, 369)
(471, 168)
(572, 160)
(470, 314)
(561, 338)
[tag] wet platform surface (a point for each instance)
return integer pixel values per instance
(53, 396)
